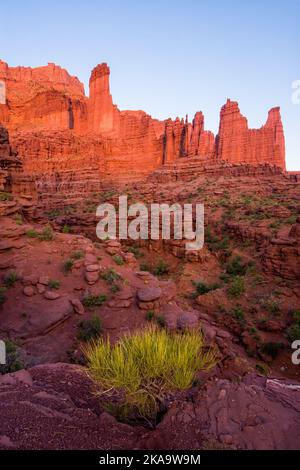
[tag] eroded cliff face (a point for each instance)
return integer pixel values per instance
(55, 127)
(237, 143)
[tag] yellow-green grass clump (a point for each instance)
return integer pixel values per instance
(136, 374)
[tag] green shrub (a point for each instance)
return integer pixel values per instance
(150, 315)
(68, 265)
(215, 243)
(236, 267)
(77, 255)
(66, 229)
(202, 288)
(32, 233)
(13, 360)
(161, 268)
(18, 219)
(53, 213)
(115, 288)
(90, 329)
(238, 313)
(110, 275)
(145, 267)
(135, 250)
(237, 287)
(296, 315)
(118, 260)
(54, 284)
(143, 368)
(262, 369)
(271, 349)
(94, 300)
(291, 220)
(5, 197)
(47, 234)
(293, 332)
(11, 278)
(272, 306)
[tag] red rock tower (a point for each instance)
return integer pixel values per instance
(101, 108)
(237, 143)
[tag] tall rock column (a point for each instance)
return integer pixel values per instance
(233, 134)
(201, 142)
(100, 107)
(274, 123)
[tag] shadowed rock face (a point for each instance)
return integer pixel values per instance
(48, 100)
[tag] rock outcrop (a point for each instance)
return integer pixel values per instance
(225, 415)
(237, 143)
(133, 144)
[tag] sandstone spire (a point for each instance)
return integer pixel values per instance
(101, 109)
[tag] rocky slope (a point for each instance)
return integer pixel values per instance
(241, 289)
(66, 154)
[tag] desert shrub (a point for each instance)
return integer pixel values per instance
(18, 219)
(238, 313)
(118, 260)
(215, 243)
(161, 268)
(115, 288)
(150, 315)
(54, 284)
(11, 278)
(272, 306)
(237, 287)
(5, 196)
(66, 229)
(13, 360)
(291, 220)
(46, 234)
(262, 369)
(77, 255)
(90, 329)
(110, 275)
(271, 349)
(68, 265)
(202, 288)
(54, 213)
(94, 300)
(145, 267)
(293, 331)
(32, 233)
(236, 267)
(252, 330)
(139, 371)
(135, 250)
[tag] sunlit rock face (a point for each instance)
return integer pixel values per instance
(56, 127)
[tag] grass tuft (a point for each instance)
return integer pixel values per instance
(144, 367)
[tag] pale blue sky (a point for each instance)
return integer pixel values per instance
(170, 57)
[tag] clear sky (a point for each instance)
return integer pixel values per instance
(170, 57)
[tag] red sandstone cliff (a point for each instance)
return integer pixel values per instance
(127, 144)
(237, 143)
